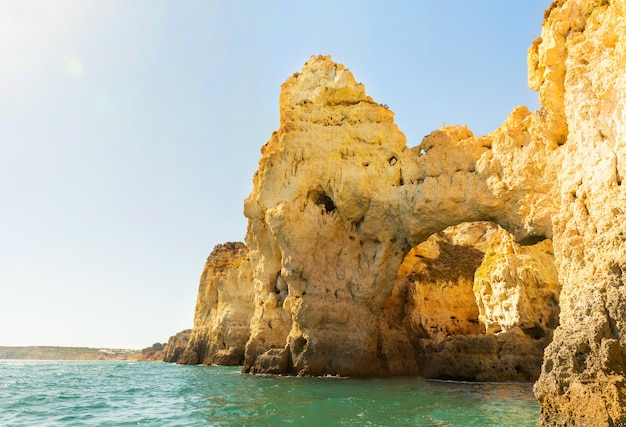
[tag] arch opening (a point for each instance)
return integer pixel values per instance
(475, 304)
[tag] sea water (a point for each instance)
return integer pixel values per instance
(42, 393)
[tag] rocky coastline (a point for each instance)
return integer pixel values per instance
(486, 258)
(67, 353)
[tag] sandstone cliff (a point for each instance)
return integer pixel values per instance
(340, 202)
(223, 309)
(448, 298)
(175, 347)
(474, 305)
(154, 353)
(578, 67)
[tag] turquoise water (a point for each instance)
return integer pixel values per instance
(36, 393)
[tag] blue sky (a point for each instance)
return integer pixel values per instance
(130, 131)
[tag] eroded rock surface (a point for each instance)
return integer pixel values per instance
(339, 200)
(176, 346)
(223, 308)
(474, 305)
(578, 67)
(517, 286)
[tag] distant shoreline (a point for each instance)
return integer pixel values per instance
(67, 353)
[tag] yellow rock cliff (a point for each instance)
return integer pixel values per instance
(473, 305)
(223, 309)
(340, 202)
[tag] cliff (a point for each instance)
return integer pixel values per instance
(154, 353)
(578, 67)
(472, 290)
(175, 347)
(224, 307)
(469, 288)
(340, 200)
(337, 267)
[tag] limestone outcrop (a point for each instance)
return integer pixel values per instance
(224, 308)
(474, 305)
(339, 200)
(578, 65)
(447, 298)
(176, 345)
(154, 353)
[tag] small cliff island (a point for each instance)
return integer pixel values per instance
(490, 258)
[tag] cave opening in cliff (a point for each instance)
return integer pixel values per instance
(476, 305)
(323, 200)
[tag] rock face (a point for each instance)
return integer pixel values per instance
(175, 346)
(517, 286)
(474, 305)
(154, 353)
(224, 307)
(339, 201)
(578, 67)
(450, 295)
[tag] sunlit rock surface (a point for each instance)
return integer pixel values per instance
(339, 200)
(176, 346)
(474, 305)
(223, 308)
(578, 67)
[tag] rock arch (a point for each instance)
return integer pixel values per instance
(339, 200)
(553, 173)
(338, 148)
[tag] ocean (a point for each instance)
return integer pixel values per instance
(52, 393)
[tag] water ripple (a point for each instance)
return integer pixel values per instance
(158, 394)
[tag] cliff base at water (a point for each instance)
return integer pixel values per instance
(461, 257)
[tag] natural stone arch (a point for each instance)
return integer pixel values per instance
(339, 200)
(555, 173)
(322, 275)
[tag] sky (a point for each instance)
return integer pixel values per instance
(130, 131)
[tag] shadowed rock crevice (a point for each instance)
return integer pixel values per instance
(321, 199)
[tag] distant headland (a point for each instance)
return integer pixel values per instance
(153, 353)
